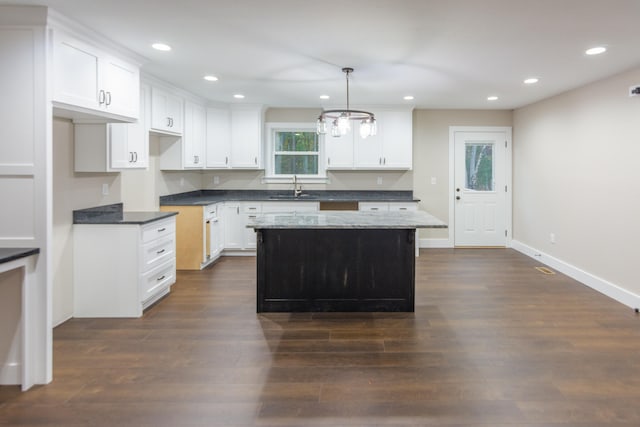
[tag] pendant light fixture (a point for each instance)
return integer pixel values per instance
(340, 120)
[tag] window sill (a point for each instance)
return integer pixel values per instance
(300, 180)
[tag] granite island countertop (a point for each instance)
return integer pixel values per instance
(113, 214)
(206, 197)
(346, 220)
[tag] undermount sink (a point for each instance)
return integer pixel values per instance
(291, 197)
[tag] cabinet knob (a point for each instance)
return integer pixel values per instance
(101, 97)
(108, 98)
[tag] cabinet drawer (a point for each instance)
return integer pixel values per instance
(403, 206)
(211, 211)
(250, 208)
(158, 229)
(375, 207)
(157, 279)
(158, 251)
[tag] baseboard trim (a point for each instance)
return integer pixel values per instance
(434, 243)
(594, 282)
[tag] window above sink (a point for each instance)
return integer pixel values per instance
(294, 149)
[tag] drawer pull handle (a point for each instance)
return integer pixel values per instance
(160, 230)
(160, 251)
(161, 278)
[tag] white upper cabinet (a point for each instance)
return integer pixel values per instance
(397, 140)
(90, 81)
(218, 138)
(391, 148)
(234, 137)
(167, 112)
(246, 137)
(195, 117)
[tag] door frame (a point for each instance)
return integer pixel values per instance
(508, 159)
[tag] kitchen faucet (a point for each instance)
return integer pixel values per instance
(296, 190)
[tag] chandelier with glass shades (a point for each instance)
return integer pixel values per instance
(340, 120)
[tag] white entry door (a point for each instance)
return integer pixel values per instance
(480, 188)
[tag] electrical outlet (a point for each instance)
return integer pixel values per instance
(552, 238)
(105, 189)
(181, 181)
(433, 180)
(379, 180)
(634, 90)
(216, 180)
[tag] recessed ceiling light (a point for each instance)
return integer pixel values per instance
(238, 96)
(596, 50)
(531, 81)
(211, 78)
(408, 98)
(324, 96)
(161, 46)
(492, 98)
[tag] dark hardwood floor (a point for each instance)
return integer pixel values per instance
(493, 343)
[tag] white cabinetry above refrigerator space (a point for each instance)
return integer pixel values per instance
(88, 82)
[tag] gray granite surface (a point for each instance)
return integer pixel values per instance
(113, 214)
(346, 219)
(9, 254)
(205, 197)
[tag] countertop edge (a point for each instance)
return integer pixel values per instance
(16, 253)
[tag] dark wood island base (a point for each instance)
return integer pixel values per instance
(321, 270)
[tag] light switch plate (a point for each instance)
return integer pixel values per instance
(105, 189)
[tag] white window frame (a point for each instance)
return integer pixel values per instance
(270, 175)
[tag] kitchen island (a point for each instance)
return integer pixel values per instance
(337, 261)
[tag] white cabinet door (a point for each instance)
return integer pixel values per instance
(233, 226)
(166, 112)
(129, 142)
(246, 137)
(368, 151)
(194, 136)
(339, 151)
(397, 140)
(217, 237)
(76, 77)
(121, 84)
(218, 138)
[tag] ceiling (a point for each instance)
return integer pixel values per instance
(446, 53)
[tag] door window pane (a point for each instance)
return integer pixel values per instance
(479, 166)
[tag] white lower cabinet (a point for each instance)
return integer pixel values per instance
(121, 269)
(233, 226)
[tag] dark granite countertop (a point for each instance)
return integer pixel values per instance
(9, 254)
(206, 197)
(113, 214)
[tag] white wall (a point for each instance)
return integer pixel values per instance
(431, 156)
(576, 170)
(71, 191)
